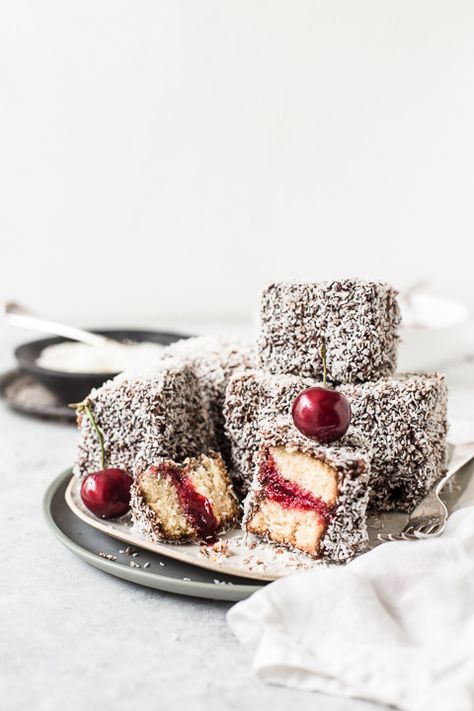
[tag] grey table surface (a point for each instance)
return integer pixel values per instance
(73, 637)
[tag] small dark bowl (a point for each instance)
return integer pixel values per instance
(74, 387)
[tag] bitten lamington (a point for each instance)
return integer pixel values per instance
(189, 502)
(308, 496)
(356, 320)
(404, 418)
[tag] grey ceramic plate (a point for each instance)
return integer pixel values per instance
(163, 573)
(172, 575)
(242, 558)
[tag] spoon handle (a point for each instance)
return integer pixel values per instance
(17, 316)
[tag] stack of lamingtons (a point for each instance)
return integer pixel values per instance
(213, 422)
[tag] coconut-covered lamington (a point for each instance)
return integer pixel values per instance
(356, 320)
(193, 501)
(215, 360)
(145, 416)
(403, 417)
(308, 496)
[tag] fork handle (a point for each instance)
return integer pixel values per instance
(453, 469)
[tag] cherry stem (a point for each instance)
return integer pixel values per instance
(322, 352)
(85, 407)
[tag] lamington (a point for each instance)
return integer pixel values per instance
(356, 320)
(214, 359)
(193, 501)
(308, 496)
(404, 418)
(145, 416)
(173, 410)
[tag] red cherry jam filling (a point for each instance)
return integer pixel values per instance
(197, 508)
(289, 494)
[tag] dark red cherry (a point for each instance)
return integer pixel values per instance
(321, 414)
(107, 492)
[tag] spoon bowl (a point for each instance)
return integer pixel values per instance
(74, 387)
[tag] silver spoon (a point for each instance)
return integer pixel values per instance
(18, 316)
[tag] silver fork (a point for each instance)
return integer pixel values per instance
(429, 518)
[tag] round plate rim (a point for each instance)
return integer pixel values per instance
(229, 593)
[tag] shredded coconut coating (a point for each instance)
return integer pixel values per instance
(215, 360)
(346, 534)
(356, 320)
(144, 418)
(404, 418)
(171, 411)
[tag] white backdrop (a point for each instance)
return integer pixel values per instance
(160, 160)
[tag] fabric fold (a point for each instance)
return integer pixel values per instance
(394, 626)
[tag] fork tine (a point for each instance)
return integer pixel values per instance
(412, 532)
(384, 537)
(436, 528)
(423, 529)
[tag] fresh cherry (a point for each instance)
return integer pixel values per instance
(107, 492)
(321, 414)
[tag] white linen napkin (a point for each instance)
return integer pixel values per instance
(394, 626)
